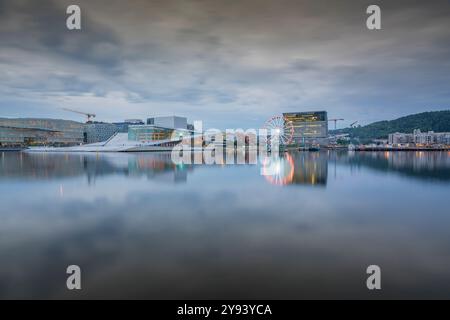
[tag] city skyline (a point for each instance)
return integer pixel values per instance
(226, 64)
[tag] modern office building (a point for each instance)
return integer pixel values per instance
(310, 128)
(171, 122)
(139, 138)
(149, 133)
(159, 128)
(32, 131)
(123, 126)
(98, 131)
(52, 132)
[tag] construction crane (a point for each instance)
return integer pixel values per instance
(89, 116)
(353, 124)
(335, 122)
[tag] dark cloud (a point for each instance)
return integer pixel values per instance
(214, 59)
(39, 27)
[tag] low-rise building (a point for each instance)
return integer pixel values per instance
(419, 138)
(400, 138)
(53, 132)
(35, 131)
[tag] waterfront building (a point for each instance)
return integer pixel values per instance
(52, 132)
(171, 122)
(123, 126)
(98, 131)
(149, 133)
(431, 137)
(34, 131)
(310, 128)
(400, 138)
(63, 133)
(419, 138)
(160, 128)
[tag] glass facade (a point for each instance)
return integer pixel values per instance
(52, 132)
(309, 127)
(99, 132)
(123, 126)
(172, 122)
(40, 132)
(148, 133)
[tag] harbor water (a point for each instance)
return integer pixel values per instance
(140, 226)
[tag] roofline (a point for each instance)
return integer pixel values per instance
(299, 112)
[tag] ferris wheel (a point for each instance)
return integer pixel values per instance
(277, 125)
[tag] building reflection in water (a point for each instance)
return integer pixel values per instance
(47, 166)
(307, 168)
(423, 165)
(299, 168)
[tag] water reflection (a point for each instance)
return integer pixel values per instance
(226, 232)
(47, 166)
(297, 168)
(305, 168)
(419, 165)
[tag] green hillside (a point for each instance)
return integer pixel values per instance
(437, 121)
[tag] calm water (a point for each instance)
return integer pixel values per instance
(140, 227)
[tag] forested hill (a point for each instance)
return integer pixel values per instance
(437, 121)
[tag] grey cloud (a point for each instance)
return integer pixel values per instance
(216, 58)
(40, 27)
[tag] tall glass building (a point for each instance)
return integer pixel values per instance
(310, 128)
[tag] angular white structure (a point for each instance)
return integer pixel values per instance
(117, 143)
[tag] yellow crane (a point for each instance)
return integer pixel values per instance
(89, 116)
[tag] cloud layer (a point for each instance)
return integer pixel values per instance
(231, 64)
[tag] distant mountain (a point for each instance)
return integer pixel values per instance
(437, 121)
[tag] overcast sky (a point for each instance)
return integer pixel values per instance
(228, 63)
